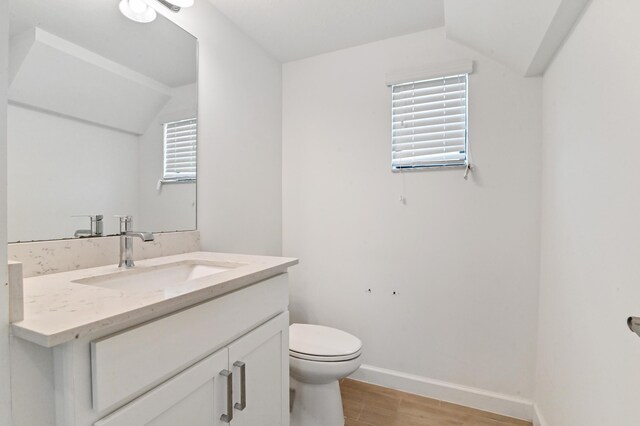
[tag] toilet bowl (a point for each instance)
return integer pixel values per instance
(318, 358)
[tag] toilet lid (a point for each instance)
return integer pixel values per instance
(316, 341)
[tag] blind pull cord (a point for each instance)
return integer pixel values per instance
(467, 170)
(403, 199)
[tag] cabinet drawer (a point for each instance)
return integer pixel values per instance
(131, 362)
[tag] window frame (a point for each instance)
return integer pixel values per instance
(463, 163)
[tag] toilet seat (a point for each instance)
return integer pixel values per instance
(322, 344)
(317, 358)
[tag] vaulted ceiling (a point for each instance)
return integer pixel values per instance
(296, 29)
(522, 34)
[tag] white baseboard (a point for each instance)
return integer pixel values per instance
(481, 399)
(538, 420)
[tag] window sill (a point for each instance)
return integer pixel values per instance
(425, 168)
(172, 181)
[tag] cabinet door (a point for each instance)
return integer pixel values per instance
(263, 354)
(195, 397)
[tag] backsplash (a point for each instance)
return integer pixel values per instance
(50, 257)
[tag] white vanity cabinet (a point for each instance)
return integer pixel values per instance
(242, 384)
(224, 361)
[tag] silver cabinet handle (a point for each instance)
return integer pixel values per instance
(243, 386)
(229, 416)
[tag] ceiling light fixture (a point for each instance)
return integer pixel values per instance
(138, 11)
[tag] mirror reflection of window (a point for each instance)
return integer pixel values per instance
(180, 150)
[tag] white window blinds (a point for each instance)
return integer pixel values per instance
(429, 122)
(180, 150)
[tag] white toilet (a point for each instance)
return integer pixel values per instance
(319, 357)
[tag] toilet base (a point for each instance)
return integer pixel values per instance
(316, 405)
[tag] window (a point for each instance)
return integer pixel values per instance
(429, 123)
(180, 150)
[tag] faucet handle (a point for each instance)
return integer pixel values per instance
(126, 222)
(95, 223)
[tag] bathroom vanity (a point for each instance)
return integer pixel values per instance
(196, 338)
(102, 124)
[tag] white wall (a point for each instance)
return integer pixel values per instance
(5, 384)
(463, 255)
(588, 360)
(239, 136)
(60, 167)
(173, 206)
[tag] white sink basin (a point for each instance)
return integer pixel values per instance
(156, 277)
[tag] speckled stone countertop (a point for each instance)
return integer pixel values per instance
(52, 257)
(58, 310)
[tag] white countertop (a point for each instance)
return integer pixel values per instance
(57, 310)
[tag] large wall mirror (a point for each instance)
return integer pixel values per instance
(101, 121)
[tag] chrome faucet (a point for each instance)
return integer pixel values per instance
(126, 241)
(95, 226)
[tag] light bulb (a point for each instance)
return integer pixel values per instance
(138, 11)
(138, 6)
